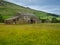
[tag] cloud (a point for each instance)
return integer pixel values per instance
(28, 0)
(46, 8)
(51, 6)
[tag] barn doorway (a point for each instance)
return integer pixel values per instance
(32, 21)
(14, 21)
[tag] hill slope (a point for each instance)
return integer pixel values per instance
(10, 9)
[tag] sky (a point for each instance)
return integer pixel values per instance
(50, 6)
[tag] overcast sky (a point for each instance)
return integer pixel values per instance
(51, 6)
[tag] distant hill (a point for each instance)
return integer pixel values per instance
(8, 9)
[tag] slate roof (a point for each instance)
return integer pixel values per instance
(22, 14)
(12, 18)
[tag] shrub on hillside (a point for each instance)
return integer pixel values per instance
(1, 19)
(54, 20)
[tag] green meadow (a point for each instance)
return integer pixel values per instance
(30, 34)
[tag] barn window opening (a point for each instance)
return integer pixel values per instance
(32, 21)
(14, 21)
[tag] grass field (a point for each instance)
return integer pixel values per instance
(32, 34)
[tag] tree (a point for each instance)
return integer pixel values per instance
(1, 18)
(54, 20)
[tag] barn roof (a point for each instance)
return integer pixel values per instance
(12, 18)
(26, 14)
(22, 14)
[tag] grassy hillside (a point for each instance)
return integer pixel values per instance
(36, 34)
(10, 9)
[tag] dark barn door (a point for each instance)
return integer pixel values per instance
(32, 21)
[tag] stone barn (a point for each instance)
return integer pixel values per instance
(22, 18)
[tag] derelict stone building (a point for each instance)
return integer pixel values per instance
(22, 18)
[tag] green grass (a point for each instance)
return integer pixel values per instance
(30, 34)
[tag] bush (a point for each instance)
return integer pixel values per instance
(54, 20)
(1, 19)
